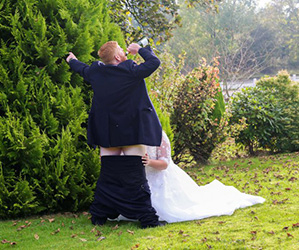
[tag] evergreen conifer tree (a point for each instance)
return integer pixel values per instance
(45, 162)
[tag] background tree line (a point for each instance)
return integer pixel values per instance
(249, 41)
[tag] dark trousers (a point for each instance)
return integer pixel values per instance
(122, 188)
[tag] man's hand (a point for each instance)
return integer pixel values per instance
(133, 48)
(71, 56)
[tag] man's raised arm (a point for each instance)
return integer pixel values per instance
(77, 66)
(151, 60)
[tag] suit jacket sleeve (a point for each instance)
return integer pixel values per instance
(81, 68)
(151, 63)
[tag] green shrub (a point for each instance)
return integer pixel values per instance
(198, 114)
(46, 165)
(287, 94)
(270, 110)
(164, 118)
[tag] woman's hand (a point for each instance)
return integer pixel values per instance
(157, 164)
(146, 160)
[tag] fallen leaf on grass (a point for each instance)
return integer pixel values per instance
(285, 228)
(130, 232)
(85, 213)
(293, 179)
(115, 227)
(136, 246)
(296, 225)
(21, 227)
(204, 239)
(56, 231)
(83, 240)
(209, 246)
(287, 189)
(283, 201)
(51, 220)
(120, 233)
(275, 193)
(289, 235)
(14, 224)
(73, 222)
(253, 232)
(36, 236)
(10, 242)
(101, 238)
(73, 235)
(271, 232)
(98, 233)
(275, 202)
(221, 222)
(181, 232)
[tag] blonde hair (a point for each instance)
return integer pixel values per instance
(107, 51)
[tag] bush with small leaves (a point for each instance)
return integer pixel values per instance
(198, 117)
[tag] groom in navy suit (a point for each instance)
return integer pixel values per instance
(122, 119)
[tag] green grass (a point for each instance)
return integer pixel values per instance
(272, 225)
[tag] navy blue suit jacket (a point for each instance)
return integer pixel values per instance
(121, 113)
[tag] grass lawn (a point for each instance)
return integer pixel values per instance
(272, 225)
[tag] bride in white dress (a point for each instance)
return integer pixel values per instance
(176, 197)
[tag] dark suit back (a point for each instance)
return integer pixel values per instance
(121, 113)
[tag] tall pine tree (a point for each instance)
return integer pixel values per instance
(45, 163)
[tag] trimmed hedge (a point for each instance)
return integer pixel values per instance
(45, 163)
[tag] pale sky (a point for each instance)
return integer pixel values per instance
(262, 3)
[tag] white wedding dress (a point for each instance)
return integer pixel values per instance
(176, 197)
